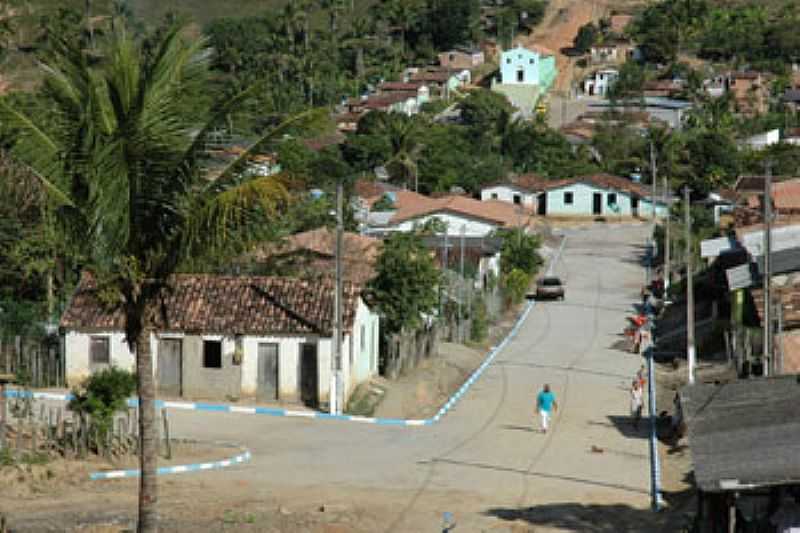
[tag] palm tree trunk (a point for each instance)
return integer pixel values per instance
(89, 25)
(148, 438)
(360, 70)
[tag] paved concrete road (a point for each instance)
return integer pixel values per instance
(486, 461)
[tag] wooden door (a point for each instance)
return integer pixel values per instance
(597, 207)
(267, 389)
(309, 376)
(170, 367)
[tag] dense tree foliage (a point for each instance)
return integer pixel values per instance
(406, 283)
(751, 33)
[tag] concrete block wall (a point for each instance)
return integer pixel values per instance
(210, 383)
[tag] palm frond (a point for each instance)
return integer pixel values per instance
(214, 221)
(28, 129)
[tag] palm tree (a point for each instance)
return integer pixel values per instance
(359, 38)
(403, 134)
(121, 166)
(335, 8)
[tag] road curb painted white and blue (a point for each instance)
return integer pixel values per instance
(177, 469)
(275, 411)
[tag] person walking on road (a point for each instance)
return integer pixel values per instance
(636, 402)
(640, 377)
(546, 404)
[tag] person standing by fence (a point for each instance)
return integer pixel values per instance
(636, 402)
(546, 404)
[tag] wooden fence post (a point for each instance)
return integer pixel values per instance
(166, 433)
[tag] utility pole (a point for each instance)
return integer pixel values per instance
(461, 282)
(767, 267)
(337, 393)
(667, 244)
(653, 175)
(654, 179)
(690, 349)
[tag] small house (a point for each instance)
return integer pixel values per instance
(220, 337)
(599, 83)
(598, 195)
(521, 190)
(750, 92)
(461, 58)
(459, 214)
(612, 51)
(791, 99)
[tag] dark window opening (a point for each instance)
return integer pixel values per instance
(517, 199)
(212, 354)
(568, 198)
(494, 196)
(612, 199)
(99, 352)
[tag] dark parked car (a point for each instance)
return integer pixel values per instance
(549, 288)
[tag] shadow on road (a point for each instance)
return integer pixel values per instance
(537, 474)
(595, 518)
(529, 429)
(624, 425)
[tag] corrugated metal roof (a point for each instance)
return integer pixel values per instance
(747, 431)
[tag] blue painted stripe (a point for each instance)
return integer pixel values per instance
(212, 407)
(178, 469)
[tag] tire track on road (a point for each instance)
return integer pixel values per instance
(526, 476)
(432, 463)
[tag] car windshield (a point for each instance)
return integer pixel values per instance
(551, 282)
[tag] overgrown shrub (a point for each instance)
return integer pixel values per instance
(515, 285)
(480, 321)
(103, 394)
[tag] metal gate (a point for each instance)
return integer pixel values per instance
(267, 389)
(170, 372)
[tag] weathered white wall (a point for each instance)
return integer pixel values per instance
(76, 346)
(364, 350)
(364, 366)
(505, 193)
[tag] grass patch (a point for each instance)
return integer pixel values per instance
(365, 400)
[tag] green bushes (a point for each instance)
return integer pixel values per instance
(103, 394)
(515, 285)
(479, 328)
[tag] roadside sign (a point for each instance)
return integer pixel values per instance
(714, 247)
(740, 277)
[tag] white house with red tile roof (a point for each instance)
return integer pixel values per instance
(216, 337)
(520, 190)
(476, 218)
